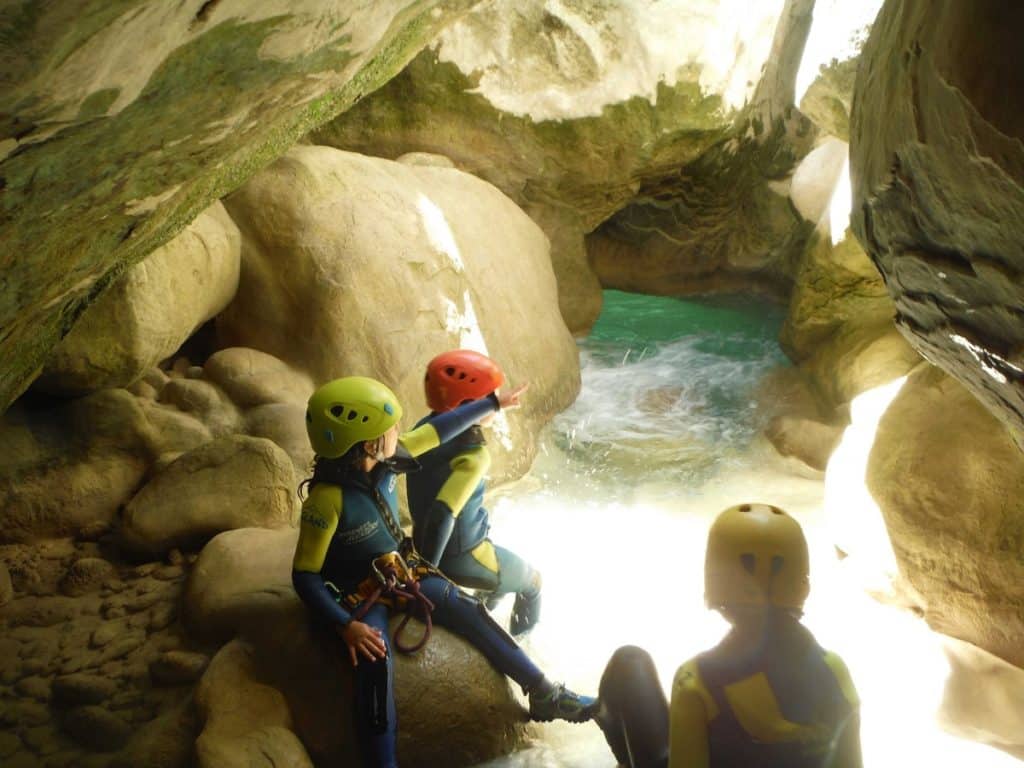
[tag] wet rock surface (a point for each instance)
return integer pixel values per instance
(952, 509)
(937, 163)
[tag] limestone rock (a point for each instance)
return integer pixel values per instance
(66, 469)
(839, 326)
(242, 584)
(125, 123)
(80, 688)
(253, 378)
(238, 577)
(285, 425)
(570, 109)
(87, 574)
(232, 482)
(244, 720)
(205, 402)
(952, 508)
(810, 441)
(937, 164)
(96, 728)
(167, 741)
(178, 667)
(984, 698)
(828, 100)
(466, 268)
(6, 588)
(135, 325)
(814, 180)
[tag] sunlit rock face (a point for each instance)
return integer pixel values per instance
(353, 264)
(722, 220)
(948, 479)
(122, 121)
(572, 108)
(937, 162)
(150, 312)
(454, 709)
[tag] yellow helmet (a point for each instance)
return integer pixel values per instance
(757, 555)
(344, 412)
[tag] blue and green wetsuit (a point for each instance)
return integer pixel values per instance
(786, 703)
(451, 524)
(342, 530)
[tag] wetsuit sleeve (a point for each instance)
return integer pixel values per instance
(467, 469)
(321, 513)
(691, 709)
(444, 426)
(847, 752)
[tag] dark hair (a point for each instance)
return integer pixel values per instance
(326, 470)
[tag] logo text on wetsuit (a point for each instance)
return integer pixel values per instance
(311, 517)
(360, 532)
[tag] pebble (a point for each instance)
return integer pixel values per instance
(34, 687)
(104, 633)
(178, 667)
(9, 743)
(85, 575)
(74, 664)
(96, 728)
(22, 760)
(122, 646)
(162, 616)
(28, 712)
(169, 572)
(78, 689)
(6, 587)
(43, 739)
(174, 557)
(139, 621)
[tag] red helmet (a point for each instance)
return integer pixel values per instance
(460, 375)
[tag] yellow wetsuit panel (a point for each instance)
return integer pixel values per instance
(321, 512)
(843, 677)
(754, 704)
(691, 709)
(420, 440)
(484, 554)
(467, 470)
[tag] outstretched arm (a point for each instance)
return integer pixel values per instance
(320, 515)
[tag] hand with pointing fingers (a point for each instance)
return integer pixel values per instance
(511, 399)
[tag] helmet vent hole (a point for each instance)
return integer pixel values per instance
(744, 508)
(776, 511)
(352, 415)
(777, 562)
(462, 375)
(336, 411)
(309, 417)
(749, 562)
(365, 419)
(472, 381)
(450, 370)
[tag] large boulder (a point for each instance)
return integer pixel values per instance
(948, 479)
(454, 708)
(122, 121)
(148, 314)
(464, 267)
(937, 163)
(571, 108)
(231, 482)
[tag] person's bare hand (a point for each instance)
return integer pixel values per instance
(511, 399)
(362, 639)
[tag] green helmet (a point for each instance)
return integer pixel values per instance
(756, 555)
(348, 411)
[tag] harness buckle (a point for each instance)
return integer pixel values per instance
(390, 569)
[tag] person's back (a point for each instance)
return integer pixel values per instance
(768, 696)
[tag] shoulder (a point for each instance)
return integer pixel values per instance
(688, 684)
(322, 508)
(843, 677)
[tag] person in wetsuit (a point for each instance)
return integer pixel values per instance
(768, 696)
(450, 523)
(349, 531)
